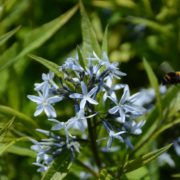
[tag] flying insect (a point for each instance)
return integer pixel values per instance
(171, 78)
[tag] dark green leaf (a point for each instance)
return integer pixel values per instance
(6, 126)
(150, 127)
(105, 41)
(90, 42)
(22, 117)
(50, 65)
(40, 35)
(6, 36)
(154, 83)
(144, 159)
(59, 167)
(5, 146)
(81, 60)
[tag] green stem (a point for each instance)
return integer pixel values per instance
(87, 168)
(93, 143)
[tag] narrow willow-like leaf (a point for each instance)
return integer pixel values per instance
(60, 165)
(154, 83)
(90, 42)
(176, 176)
(6, 126)
(139, 173)
(14, 94)
(9, 34)
(40, 35)
(21, 151)
(144, 159)
(152, 120)
(164, 29)
(165, 127)
(9, 54)
(21, 117)
(81, 60)
(5, 146)
(105, 41)
(49, 64)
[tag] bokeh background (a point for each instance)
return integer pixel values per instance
(136, 29)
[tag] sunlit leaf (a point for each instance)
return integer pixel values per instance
(6, 126)
(38, 36)
(21, 151)
(90, 42)
(105, 41)
(49, 64)
(9, 34)
(150, 127)
(5, 146)
(59, 167)
(22, 117)
(144, 159)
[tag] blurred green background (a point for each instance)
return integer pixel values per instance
(136, 29)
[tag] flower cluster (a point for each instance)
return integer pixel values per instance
(91, 85)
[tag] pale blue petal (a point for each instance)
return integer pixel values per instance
(45, 90)
(109, 142)
(84, 88)
(39, 110)
(134, 97)
(113, 110)
(76, 96)
(82, 103)
(125, 95)
(35, 99)
(50, 111)
(92, 91)
(54, 99)
(80, 125)
(92, 101)
(122, 115)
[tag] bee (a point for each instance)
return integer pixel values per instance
(171, 78)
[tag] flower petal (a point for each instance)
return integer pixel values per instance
(76, 96)
(35, 99)
(39, 110)
(113, 110)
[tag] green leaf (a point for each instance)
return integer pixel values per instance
(152, 123)
(21, 151)
(4, 147)
(144, 159)
(81, 60)
(140, 173)
(105, 41)
(6, 126)
(104, 175)
(40, 35)
(176, 175)
(60, 166)
(13, 90)
(50, 65)
(163, 29)
(90, 42)
(8, 55)
(6, 36)
(21, 117)
(154, 83)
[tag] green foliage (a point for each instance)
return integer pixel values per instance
(51, 30)
(59, 167)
